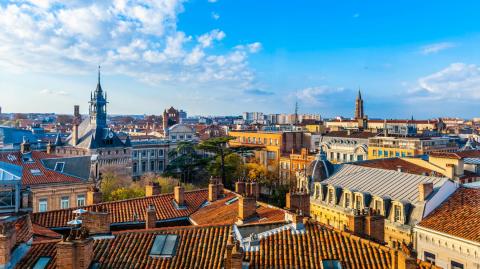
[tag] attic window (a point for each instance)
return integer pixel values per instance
(231, 201)
(36, 172)
(42, 262)
(165, 246)
(331, 264)
(59, 166)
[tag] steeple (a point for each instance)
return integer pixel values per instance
(99, 86)
(359, 106)
(359, 96)
(98, 106)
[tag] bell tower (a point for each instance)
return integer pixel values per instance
(98, 106)
(359, 106)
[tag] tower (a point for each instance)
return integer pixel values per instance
(359, 114)
(98, 106)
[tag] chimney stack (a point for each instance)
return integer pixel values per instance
(212, 190)
(97, 222)
(50, 148)
(402, 257)
(367, 224)
(75, 251)
(247, 207)
(25, 146)
(8, 238)
(240, 187)
(450, 170)
(152, 188)
(150, 217)
(424, 190)
(94, 196)
(298, 201)
(233, 255)
(75, 134)
(179, 195)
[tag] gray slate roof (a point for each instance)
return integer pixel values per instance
(78, 166)
(380, 182)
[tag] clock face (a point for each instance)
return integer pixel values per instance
(110, 135)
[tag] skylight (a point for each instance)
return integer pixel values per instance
(36, 172)
(59, 166)
(231, 201)
(331, 264)
(42, 263)
(165, 245)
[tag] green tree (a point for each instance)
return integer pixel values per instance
(233, 167)
(218, 146)
(186, 161)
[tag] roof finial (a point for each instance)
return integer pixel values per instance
(99, 74)
(359, 94)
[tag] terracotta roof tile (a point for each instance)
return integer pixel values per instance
(47, 176)
(463, 207)
(457, 155)
(394, 164)
(129, 210)
(364, 135)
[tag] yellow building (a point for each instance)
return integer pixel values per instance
(294, 162)
(392, 146)
(273, 145)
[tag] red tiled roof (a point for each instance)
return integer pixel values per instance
(47, 176)
(462, 207)
(218, 213)
(199, 247)
(457, 155)
(394, 164)
(364, 135)
(41, 234)
(288, 250)
(129, 210)
(23, 229)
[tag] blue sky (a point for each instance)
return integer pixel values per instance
(410, 58)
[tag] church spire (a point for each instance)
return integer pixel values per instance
(359, 96)
(99, 86)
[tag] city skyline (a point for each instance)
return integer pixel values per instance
(202, 55)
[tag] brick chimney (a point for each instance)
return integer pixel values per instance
(25, 146)
(240, 187)
(424, 190)
(75, 251)
(234, 255)
(97, 222)
(8, 238)
(150, 217)
(450, 170)
(50, 148)
(356, 223)
(75, 133)
(94, 196)
(179, 195)
(152, 188)
(298, 201)
(367, 224)
(402, 257)
(247, 207)
(212, 190)
(253, 188)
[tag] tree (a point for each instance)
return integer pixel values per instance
(186, 161)
(233, 167)
(218, 146)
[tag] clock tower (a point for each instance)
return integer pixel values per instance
(98, 106)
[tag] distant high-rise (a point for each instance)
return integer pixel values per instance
(359, 114)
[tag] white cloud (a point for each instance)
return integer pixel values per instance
(52, 92)
(435, 48)
(317, 95)
(255, 47)
(457, 81)
(135, 38)
(215, 16)
(212, 1)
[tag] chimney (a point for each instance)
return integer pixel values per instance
(374, 226)
(8, 238)
(247, 207)
(25, 146)
(152, 188)
(75, 134)
(450, 171)
(402, 257)
(399, 168)
(424, 190)
(97, 222)
(298, 221)
(219, 189)
(356, 223)
(233, 255)
(212, 190)
(298, 201)
(94, 196)
(179, 194)
(240, 187)
(150, 217)
(75, 251)
(253, 188)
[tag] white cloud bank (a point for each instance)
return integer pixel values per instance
(135, 38)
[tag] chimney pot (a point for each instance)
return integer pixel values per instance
(94, 196)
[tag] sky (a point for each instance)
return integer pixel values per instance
(409, 58)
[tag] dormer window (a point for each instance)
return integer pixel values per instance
(330, 196)
(397, 213)
(59, 166)
(358, 202)
(347, 200)
(42, 262)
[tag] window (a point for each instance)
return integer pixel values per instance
(374, 152)
(189, 136)
(174, 137)
(397, 154)
(429, 257)
(42, 205)
(152, 153)
(358, 202)
(456, 265)
(338, 156)
(351, 157)
(181, 137)
(331, 264)
(81, 200)
(271, 155)
(36, 172)
(378, 205)
(347, 200)
(144, 166)
(380, 152)
(152, 165)
(330, 196)
(59, 166)
(360, 158)
(344, 157)
(160, 153)
(397, 213)
(64, 202)
(135, 154)
(135, 168)
(165, 245)
(160, 166)
(42, 263)
(403, 154)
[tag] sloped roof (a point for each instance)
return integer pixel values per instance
(46, 175)
(459, 215)
(362, 135)
(129, 210)
(457, 155)
(395, 164)
(381, 182)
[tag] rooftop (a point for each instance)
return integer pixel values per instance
(457, 155)
(347, 134)
(396, 164)
(463, 207)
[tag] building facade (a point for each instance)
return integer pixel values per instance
(149, 155)
(346, 146)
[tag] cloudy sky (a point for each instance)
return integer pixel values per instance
(221, 57)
